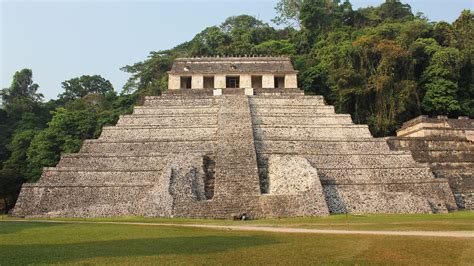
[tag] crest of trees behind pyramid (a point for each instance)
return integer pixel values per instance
(384, 65)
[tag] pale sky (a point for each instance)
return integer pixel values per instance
(60, 40)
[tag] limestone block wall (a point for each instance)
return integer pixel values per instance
(306, 120)
(172, 111)
(286, 110)
(291, 81)
(290, 175)
(153, 120)
(197, 81)
(245, 81)
(345, 199)
(219, 81)
(157, 146)
(156, 132)
(174, 82)
(82, 201)
(268, 81)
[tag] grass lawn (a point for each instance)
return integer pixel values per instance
(41, 243)
(455, 221)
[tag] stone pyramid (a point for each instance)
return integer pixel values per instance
(277, 153)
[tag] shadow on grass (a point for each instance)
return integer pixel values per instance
(61, 253)
(16, 227)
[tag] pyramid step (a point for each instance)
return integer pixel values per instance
(182, 96)
(310, 116)
(144, 110)
(443, 156)
(85, 201)
(168, 95)
(149, 132)
(287, 96)
(162, 126)
(158, 101)
(375, 175)
(335, 152)
(286, 106)
(204, 120)
(178, 106)
(321, 161)
(352, 199)
(430, 144)
(278, 92)
(312, 132)
(112, 161)
(462, 178)
(452, 165)
(148, 146)
(302, 120)
(292, 146)
(290, 110)
(68, 175)
(299, 101)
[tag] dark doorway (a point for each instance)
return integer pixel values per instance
(232, 82)
(185, 82)
(257, 82)
(280, 82)
(208, 82)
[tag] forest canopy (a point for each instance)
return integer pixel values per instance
(384, 65)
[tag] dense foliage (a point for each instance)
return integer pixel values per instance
(383, 65)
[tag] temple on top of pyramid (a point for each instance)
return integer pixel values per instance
(234, 137)
(232, 72)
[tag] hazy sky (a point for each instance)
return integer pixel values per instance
(60, 40)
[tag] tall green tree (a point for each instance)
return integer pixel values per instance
(22, 114)
(394, 10)
(464, 31)
(288, 13)
(82, 86)
(22, 95)
(5, 135)
(64, 134)
(149, 76)
(440, 78)
(22, 109)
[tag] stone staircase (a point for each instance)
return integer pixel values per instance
(274, 154)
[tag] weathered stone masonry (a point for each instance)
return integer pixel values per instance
(277, 153)
(447, 146)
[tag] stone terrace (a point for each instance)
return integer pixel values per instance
(446, 145)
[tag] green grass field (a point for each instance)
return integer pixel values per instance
(58, 243)
(455, 221)
(40, 243)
